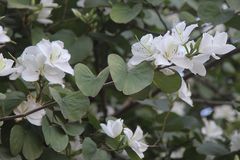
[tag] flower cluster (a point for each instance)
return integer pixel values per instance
(45, 12)
(134, 140)
(175, 51)
(47, 59)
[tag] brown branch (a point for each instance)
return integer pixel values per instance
(212, 102)
(160, 17)
(7, 118)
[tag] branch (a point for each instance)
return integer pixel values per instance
(7, 118)
(212, 102)
(160, 18)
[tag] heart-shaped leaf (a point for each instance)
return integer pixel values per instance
(73, 106)
(122, 13)
(87, 82)
(167, 83)
(54, 136)
(132, 80)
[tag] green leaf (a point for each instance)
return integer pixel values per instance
(211, 11)
(188, 17)
(5, 155)
(73, 129)
(87, 82)
(79, 47)
(212, 148)
(234, 4)
(89, 148)
(129, 81)
(16, 139)
(73, 106)
(174, 122)
(37, 35)
(12, 100)
(2, 96)
(132, 154)
(95, 3)
(51, 155)
(90, 151)
(54, 136)
(122, 13)
(94, 121)
(234, 23)
(155, 2)
(168, 84)
(20, 4)
(32, 147)
(101, 155)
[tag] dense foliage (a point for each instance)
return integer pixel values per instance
(119, 79)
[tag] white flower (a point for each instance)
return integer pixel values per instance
(224, 112)
(215, 45)
(178, 154)
(48, 4)
(113, 128)
(80, 3)
(181, 33)
(184, 93)
(33, 61)
(5, 66)
(45, 12)
(43, 16)
(3, 37)
(179, 108)
(56, 55)
(235, 142)
(169, 52)
(211, 130)
(27, 106)
(136, 141)
(143, 50)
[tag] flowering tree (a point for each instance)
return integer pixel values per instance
(112, 79)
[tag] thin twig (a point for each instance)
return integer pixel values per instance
(160, 18)
(108, 83)
(213, 102)
(28, 113)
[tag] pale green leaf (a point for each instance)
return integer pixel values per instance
(122, 13)
(87, 82)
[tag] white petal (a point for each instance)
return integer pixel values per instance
(206, 43)
(117, 128)
(128, 132)
(4, 38)
(30, 76)
(221, 50)
(53, 75)
(183, 62)
(106, 130)
(135, 60)
(138, 134)
(198, 68)
(220, 38)
(160, 60)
